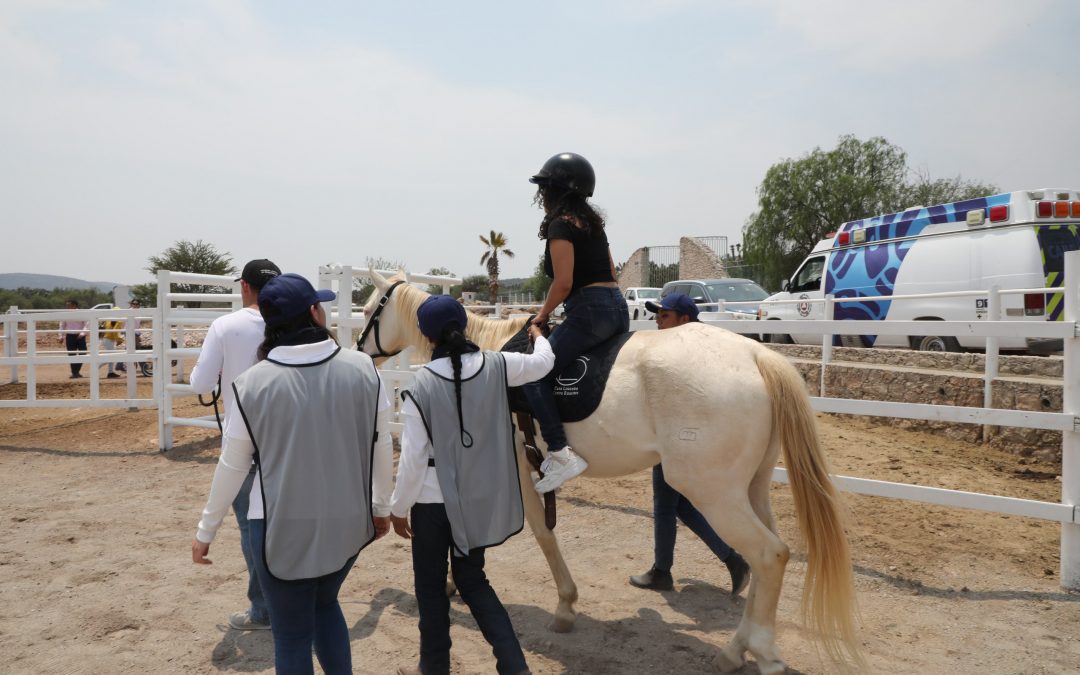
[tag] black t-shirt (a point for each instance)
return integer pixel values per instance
(592, 263)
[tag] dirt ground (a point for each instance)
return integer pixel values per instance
(96, 575)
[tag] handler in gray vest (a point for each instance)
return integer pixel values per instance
(311, 408)
(458, 479)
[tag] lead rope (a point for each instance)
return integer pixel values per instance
(214, 396)
(532, 453)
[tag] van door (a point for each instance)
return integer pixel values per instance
(806, 285)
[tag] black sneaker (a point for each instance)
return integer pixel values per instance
(654, 580)
(112, 376)
(740, 572)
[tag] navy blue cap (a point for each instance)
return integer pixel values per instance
(288, 296)
(676, 302)
(436, 312)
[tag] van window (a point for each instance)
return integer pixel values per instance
(809, 277)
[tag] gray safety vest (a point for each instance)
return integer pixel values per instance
(313, 427)
(479, 484)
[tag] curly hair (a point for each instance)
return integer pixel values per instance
(562, 203)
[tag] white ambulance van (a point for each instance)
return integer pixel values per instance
(1013, 240)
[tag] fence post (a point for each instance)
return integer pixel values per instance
(160, 363)
(11, 340)
(828, 314)
(1070, 440)
(993, 313)
(344, 304)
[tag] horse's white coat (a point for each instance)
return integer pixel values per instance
(697, 399)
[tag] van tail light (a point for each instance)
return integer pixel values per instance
(1034, 304)
(1061, 209)
(845, 238)
(999, 213)
(1044, 209)
(1076, 209)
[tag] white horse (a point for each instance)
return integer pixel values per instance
(715, 409)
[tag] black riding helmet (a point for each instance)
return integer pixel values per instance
(568, 170)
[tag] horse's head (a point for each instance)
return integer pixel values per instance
(390, 317)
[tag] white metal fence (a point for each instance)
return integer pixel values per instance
(168, 320)
(28, 326)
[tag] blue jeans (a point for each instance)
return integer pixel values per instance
(593, 314)
(258, 610)
(667, 504)
(302, 613)
(430, 548)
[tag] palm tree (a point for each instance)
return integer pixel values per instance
(495, 243)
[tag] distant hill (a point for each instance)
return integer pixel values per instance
(14, 280)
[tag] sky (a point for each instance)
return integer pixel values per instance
(342, 131)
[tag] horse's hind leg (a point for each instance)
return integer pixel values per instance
(768, 558)
(746, 527)
(565, 615)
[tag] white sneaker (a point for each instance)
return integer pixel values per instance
(242, 621)
(557, 470)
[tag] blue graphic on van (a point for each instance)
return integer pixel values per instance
(913, 221)
(870, 270)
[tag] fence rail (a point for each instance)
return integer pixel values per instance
(168, 320)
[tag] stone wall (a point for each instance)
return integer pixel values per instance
(1024, 383)
(697, 261)
(635, 273)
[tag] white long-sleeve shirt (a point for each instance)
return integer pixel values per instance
(416, 481)
(230, 348)
(237, 455)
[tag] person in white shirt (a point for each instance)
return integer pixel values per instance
(229, 349)
(458, 479)
(312, 410)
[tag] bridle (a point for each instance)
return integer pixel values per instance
(373, 322)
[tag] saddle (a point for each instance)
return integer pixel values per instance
(578, 390)
(579, 387)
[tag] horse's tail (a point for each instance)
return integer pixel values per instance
(828, 600)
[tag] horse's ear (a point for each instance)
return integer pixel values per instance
(404, 274)
(378, 280)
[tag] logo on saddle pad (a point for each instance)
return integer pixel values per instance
(573, 373)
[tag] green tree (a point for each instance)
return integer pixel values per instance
(363, 287)
(539, 283)
(476, 283)
(194, 257)
(496, 244)
(801, 200)
(40, 298)
(926, 191)
(439, 272)
(146, 294)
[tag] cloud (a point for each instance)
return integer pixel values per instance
(873, 35)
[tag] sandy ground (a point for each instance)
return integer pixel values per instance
(96, 576)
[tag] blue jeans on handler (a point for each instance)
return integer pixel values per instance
(667, 504)
(302, 613)
(431, 544)
(593, 314)
(258, 611)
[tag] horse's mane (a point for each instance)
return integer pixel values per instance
(486, 332)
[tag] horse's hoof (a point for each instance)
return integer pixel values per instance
(561, 624)
(726, 664)
(772, 668)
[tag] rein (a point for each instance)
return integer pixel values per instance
(374, 323)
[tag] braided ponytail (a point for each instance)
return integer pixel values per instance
(453, 341)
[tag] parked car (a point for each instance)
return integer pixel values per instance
(635, 301)
(709, 293)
